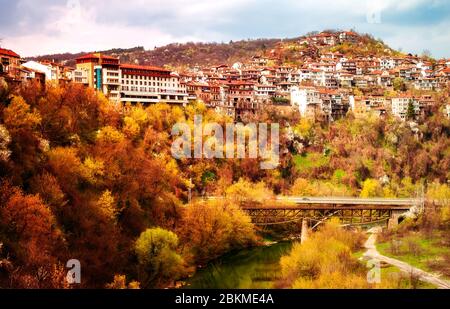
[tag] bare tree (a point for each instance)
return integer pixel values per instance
(426, 53)
(414, 279)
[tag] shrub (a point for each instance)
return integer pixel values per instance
(157, 257)
(325, 260)
(213, 228)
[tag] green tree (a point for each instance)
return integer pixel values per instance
(410, 113)
(158, 259)
(399, 84)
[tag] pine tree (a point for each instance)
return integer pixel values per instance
(410, 113)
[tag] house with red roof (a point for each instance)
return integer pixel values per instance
(9, 63)
(348, 36)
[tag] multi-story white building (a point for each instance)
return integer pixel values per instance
(387, 63)
(148, 84)
(345, 79)
(102, 73)
(426, 84)
(54, 72)
(80, 76)
(129, 83)
(400, 106)
(50, 72)
(264, 92)
(307, 100)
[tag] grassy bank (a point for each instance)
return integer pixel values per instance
(431, 254)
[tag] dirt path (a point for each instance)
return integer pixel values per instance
(373, 253)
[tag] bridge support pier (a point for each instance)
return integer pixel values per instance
(304, 232)
(393, 221)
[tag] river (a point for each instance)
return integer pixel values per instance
(254, 268)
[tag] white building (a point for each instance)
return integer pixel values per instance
(51, 74)
(387, 63)
(81, 76)
(426, 84)
(147, 84)
(264, 92)
(400, 106)
(306, 99)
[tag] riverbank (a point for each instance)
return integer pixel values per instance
(253, 268)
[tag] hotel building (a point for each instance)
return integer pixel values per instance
(148, 84)
(101, 72)
(129, 83)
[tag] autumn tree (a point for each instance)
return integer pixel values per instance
(159, 262)
(30, 233)
(211, 229)
(71, 113)
(26, 144)
(120, 283)
(371, 188)
(245, 191)
(5, 139)
(325, 261)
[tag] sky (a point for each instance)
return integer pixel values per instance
(38, 27)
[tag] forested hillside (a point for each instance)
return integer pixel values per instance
(281, 51)
(84, 179)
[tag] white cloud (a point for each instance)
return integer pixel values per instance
(77, 25)
(95, 25)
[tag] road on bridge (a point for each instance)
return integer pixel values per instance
(350, 200)
(407, 202)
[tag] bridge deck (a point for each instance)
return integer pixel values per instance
(306, 203)
(350, 200)
(322, 203)
(351, 211)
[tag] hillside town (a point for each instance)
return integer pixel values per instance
(313, 162)
(323, 84)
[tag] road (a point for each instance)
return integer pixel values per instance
(341, 200)
(372, 253)
(350, 200)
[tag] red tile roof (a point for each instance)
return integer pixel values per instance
(8, 52)
(143, 67)
(96, 55)
(240, 83)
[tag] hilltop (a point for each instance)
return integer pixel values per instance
(279, 51)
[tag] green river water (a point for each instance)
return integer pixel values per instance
(255, 268)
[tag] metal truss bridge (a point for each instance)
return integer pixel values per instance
(351, 211)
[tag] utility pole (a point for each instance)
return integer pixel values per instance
(190, 184)
(422, 206)
(190, 190)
